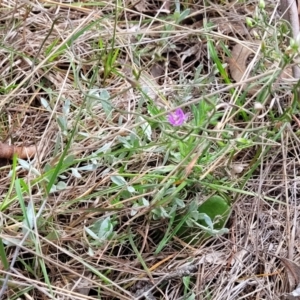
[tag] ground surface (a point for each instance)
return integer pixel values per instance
(108, 206)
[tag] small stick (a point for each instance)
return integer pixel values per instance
(290, 14)
(8, 151)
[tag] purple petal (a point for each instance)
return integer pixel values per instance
(177, 118)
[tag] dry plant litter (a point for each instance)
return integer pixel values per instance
(139, 125)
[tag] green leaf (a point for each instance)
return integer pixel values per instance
(217, 208)
(184, 15)
(206, 220)
(101, 230)
(46, 105)
(146, 128)
(100, 95)
(51, 46)
(216, 60)
(66, 44)
(118, 180)
(75, 173)
(3, 256)
(28, 222)
(106, 228)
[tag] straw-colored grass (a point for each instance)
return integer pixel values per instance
(97, 213)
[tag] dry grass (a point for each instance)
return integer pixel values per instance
(98, 161)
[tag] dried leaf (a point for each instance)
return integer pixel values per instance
(288, 297)
(194, 50)
(152, 89)
(140, 6)
(293, 271)
(294, 295)
(166, 7)
(157, 70)
(296, 292)
(239, 62)
(216, 258)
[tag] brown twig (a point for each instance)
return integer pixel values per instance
(8, 151)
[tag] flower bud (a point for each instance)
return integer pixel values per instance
(255, 34)
(249, 21)
(237, 168)
(261, 4)
(258, 106)
(294, 45)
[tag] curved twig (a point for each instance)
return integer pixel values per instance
(8, 151)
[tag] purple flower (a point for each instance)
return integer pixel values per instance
(177, 117)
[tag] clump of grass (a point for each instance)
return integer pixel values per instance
(152, 165)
